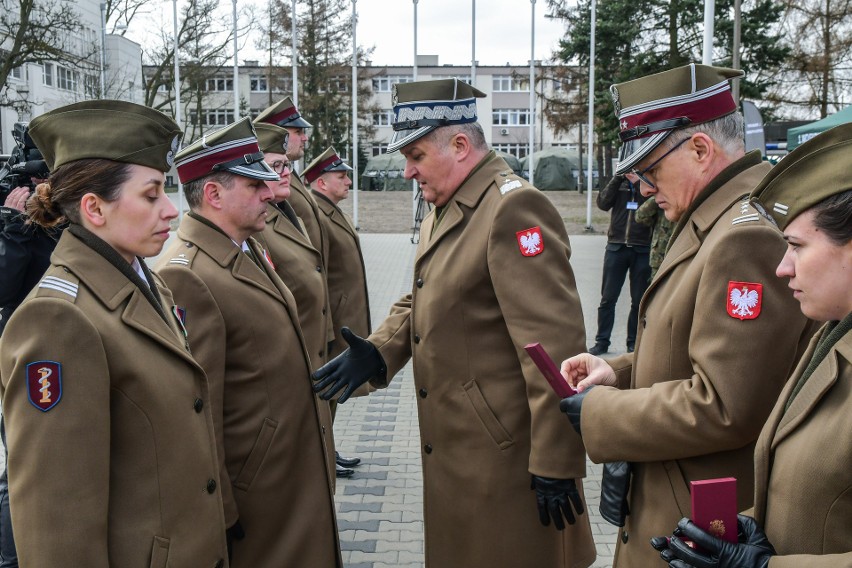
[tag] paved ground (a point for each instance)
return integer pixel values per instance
(380, 509)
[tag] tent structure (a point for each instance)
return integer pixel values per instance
(555, 169)
(801, 134)
(385, 173)
(510, 159)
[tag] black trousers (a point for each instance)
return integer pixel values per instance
(619, 260)
(8, 557)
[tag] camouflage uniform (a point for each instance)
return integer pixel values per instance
(650, 214)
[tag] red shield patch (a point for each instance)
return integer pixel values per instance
(530, 241)
(744, 300)
(44, 384)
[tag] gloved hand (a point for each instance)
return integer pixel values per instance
(553, 496)
(351, 369)
(615, 484)
(572, 406)
(235, 532)
(752, 551)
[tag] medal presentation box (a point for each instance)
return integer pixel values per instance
(714, 507)
(549, 369)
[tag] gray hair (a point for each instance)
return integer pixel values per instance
(194, 190)
(473, 131)
(726, 131)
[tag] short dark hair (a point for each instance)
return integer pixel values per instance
(833, 216)
(194, 190)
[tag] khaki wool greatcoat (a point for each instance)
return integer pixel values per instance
(300, 267)
(121, 470)
(701, 383)
(347, 277)
(308, 211)
(488, 418)
(244, 330)
(803, 484)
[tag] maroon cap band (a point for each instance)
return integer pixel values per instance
(202, 164)
(316, 171)
(284, 116)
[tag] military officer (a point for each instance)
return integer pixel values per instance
(502, 476)
(112, 454)
(244, 330)
(803, 486)
(300, 267)
(718, 333)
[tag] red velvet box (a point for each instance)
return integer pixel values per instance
(714, 507)
(549, 369)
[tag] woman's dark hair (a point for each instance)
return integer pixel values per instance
(833, 216)
(59, 199)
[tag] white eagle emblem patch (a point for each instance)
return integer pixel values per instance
(530, 241)
(744, 300)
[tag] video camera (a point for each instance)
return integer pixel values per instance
(24, 163)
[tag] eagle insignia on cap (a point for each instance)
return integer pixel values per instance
(170, 155)
(616, 104)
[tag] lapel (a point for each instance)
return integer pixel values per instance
(469, 194)
(820, 382)
(283, 226)
(222, 250)
(336, 216)
(111, 288)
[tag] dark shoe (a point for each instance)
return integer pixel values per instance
(630, 349)
(345, 472)
(598, 349)
(346, 462)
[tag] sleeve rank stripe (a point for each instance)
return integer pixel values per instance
(53, 283)
(182, 261)
(745, 219)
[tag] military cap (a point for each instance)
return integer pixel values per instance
(106, 129)
(232, 149)
(283, 113)
(328, 161)
(422, 106)
(651, 108)
(271, 138)
(812, 172)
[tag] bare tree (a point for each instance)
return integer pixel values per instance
(36, 33)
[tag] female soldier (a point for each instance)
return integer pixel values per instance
(803, 485)
(111, 444)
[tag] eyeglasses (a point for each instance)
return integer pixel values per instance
(278, 166)
(641, 175)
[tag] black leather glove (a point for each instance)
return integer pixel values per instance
(235, 532)
(351, 369)
(752, 551)
(572, 406)
(554, 498)
(615, 484)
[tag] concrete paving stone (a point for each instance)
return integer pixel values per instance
(394, 516)
(360, 545)
(359, 525)
(375, 438)
(349, 507)
(360, 565)
(361, 490)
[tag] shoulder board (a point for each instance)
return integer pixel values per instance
(744, 212)
(507, 181)
(58, 283)
(184, 255)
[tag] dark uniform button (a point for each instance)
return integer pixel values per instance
(321, 353)
(416, 338)
(319, 268)
(211, 485)
(189, 245)
(423, 393)
(198, 404)
(220, 563)
(323, 311)
(643, 322)
(428, 448)
(419, 282)
(624, 537)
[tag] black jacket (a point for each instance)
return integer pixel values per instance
(623, 227)
(24, 256)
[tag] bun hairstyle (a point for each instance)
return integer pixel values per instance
(58, 200)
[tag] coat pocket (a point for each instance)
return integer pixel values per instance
(486, 415)
(160, 552)
(258, 453)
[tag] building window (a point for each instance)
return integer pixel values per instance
(384, 84)
(378, 149)
(258, 84)
(213, 117)
(18, 72)
(383, 118)
(91, 86)
(220, 84)
(510, 117)
(508, 83)
(517, 150)
(47, 74)
(282, 84)
(66, 78)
